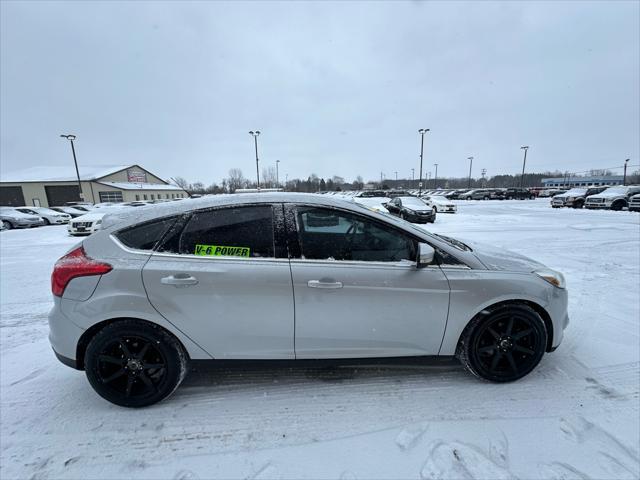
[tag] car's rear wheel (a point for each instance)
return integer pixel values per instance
(8, 225)
(503, 345)
(46, 221)
(134, 364)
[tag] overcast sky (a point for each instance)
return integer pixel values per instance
(335, 88)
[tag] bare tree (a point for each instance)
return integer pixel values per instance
(268, 177)
(181, 182)
(236, 180)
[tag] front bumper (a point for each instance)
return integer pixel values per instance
(595, 206)
(82, 230)
(413, 218)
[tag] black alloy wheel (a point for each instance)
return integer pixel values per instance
(134, 364)
(505, 345)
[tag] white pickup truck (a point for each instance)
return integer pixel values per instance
(613, 198)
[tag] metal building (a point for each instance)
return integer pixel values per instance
(55, 185)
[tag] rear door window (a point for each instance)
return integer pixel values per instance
(245, 231)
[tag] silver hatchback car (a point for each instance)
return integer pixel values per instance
(284, 276)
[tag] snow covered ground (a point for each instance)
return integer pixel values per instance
(575, 416)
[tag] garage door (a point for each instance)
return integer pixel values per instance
(11, 197)
(60, 194)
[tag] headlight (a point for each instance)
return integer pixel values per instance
(554, 278)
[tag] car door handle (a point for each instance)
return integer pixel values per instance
(323, 284)
(179, 280)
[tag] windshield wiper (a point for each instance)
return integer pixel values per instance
(454, 242)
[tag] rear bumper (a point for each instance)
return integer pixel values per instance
(69, 362)
(63, 335)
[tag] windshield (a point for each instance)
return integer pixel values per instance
(617, 190)
(414, 202)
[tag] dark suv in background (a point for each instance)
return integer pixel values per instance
(514, 193)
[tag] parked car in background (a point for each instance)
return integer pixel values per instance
(477, 194)
(551, 192)
(86, 224)
(74, 212)
(50, 217)
(441, 204)
(131, 301)
(412, 209)
(634, 203)
(454, 194)
(516, 193)
(613, 198)
(575, 197)
(371, 194)
(16, 219)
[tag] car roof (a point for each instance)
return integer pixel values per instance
(158, 210)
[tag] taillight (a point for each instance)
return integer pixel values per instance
(75, 264)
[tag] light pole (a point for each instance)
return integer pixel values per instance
(470, 164)
(413, 175)
(624, 178)
(277, 174)
(255, 141)
(396, 177)
(524, 162)
(71, 138)
(435, 179)
(422, 131)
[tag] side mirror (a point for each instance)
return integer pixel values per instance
(426, 254)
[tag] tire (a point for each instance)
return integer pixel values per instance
(403, 216)
(509, 197)
(578, 204)
(532, 197)
(46, 221)
(8, 225)
(118, 359)
(485, 198)
(618, 205)
(513, 355)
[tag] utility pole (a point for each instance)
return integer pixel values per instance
(524, 162)
(470, 164)
(624, 178)
(435, 179)
(277, 174)
(422, 131)
(255, 140)
(396, 177)
(413, 175)
(71, 138)
(484, 172)
(380, 179)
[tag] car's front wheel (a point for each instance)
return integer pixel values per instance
(133, 363)
(503, 345)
